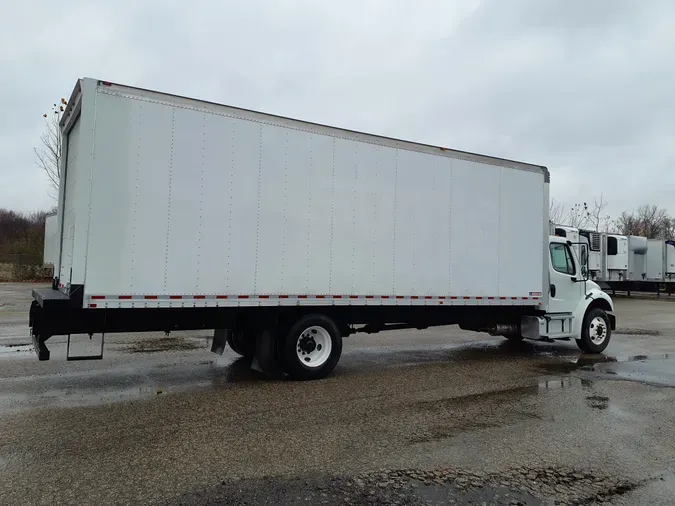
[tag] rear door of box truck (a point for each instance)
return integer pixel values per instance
(72, 171)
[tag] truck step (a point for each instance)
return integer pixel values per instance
(549, 326)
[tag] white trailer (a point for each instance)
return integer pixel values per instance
(51, 245)
(286, 236)
(588, 246)
(660, 260)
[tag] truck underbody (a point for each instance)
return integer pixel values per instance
(54, 313)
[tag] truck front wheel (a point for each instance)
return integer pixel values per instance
(312, 347)
(595, 331)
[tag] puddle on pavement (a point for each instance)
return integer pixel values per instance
(86, 388)
(657, 370)
(652, 370)
(11, 349)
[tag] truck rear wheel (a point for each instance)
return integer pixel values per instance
(312, 347)
(595, 331)
(242, 343)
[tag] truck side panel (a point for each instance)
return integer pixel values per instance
(190, 199)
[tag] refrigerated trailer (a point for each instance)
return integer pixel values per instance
(285, 236)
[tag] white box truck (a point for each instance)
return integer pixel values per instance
(285, 236)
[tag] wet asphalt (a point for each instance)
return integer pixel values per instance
(438, 416)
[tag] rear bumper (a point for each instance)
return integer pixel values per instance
(48, 297)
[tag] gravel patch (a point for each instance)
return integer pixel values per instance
(520, 486)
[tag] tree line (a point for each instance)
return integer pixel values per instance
(648, 220)
(21, 245)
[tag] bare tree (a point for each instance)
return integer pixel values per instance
(48, 155)
(556, 212)
(578, 216)
(648, 221)
(598, 219)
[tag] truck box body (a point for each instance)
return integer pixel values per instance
(173, 202)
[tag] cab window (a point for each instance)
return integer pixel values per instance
(561, 258)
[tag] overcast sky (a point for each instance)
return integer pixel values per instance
(586, 88)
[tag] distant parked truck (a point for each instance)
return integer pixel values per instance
(660, 260)
(619, 262)
(285, 236)
(50, 250)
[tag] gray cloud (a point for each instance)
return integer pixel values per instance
(582, 87)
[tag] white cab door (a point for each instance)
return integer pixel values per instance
(564, 292)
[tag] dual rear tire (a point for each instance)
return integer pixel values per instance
(307, 350)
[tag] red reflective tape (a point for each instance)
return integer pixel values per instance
(524, 298)
(442, 297)
(242, 296)
(428, 297)
(98, 297)
(92, 305)
(199, 296)
(353, 296)
(124, 297)
(535, 298)
(502, 298)
(283, 296)
(466, 297)
(150, 297)
(302, 296)
(385, 296)
(491, 298)
(453, 297)
(400, 296)
(414, 296)
(337, 296)
(370, 296)
(175, 297)
(263, 296)
(479, 298)
(222, 296)
(514, 298)
(320, 296)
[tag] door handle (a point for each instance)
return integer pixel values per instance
(552, 289)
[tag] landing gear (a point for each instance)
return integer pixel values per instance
(595, 332)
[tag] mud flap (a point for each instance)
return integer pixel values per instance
(265, 359)
(219, 340)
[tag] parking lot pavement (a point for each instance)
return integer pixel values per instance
(408, 417)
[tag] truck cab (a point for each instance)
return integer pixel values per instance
(576, 306)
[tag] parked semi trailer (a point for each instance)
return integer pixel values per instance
(285, 236)
(626, 263)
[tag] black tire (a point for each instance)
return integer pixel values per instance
(242, 342)
(306, 338)
(595, 325)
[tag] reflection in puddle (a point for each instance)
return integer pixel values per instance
(15, 348)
